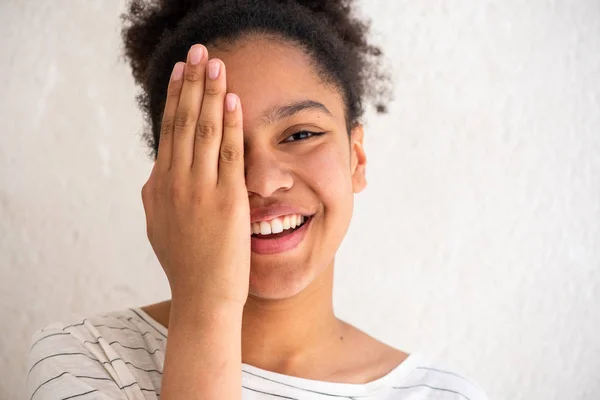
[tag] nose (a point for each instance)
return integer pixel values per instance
(265, 174)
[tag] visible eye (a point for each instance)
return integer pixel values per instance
(302, 135)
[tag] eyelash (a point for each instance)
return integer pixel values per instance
(312, 134)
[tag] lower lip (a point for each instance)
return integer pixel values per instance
(280, 244)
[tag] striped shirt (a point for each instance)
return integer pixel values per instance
(120, 355)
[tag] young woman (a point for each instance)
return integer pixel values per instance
(258, 152)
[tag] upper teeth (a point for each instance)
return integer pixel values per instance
(277, 225)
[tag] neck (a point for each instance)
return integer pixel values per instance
(285, 335)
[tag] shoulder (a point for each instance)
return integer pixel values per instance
(121, 327)
(109, 352)
(432, 378)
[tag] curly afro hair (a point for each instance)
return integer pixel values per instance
(158, 33)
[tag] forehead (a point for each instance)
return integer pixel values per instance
(267, 73)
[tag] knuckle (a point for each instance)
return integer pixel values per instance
(212, 90)
(230, 153)
(182, 118)
(167, 126)
(197, 195)
(206, 130)
(177, 190)
(192, 75)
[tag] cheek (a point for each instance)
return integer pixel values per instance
(328, 172)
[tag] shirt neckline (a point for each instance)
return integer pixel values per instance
(253, 373)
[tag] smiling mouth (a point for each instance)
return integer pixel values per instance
(285, 232)
(281, 242)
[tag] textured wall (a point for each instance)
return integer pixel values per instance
(476, 242)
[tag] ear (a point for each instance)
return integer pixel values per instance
(358, 159)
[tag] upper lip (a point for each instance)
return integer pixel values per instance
(274, 211)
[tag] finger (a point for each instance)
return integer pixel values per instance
(165, 141)
(188, 110)
(231, 156)
(210, 125)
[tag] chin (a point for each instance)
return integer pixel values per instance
(276, 282)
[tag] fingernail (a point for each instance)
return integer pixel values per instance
(196, 55)
(177, 72)
(231, 101)
(213, 69)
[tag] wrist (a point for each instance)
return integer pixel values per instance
(188, 294)
(194, 311)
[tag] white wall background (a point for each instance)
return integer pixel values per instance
(476, 242)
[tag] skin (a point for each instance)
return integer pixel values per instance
(285, 314)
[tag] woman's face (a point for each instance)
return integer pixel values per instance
(317, 174)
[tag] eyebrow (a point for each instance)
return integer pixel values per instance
(276, 113)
